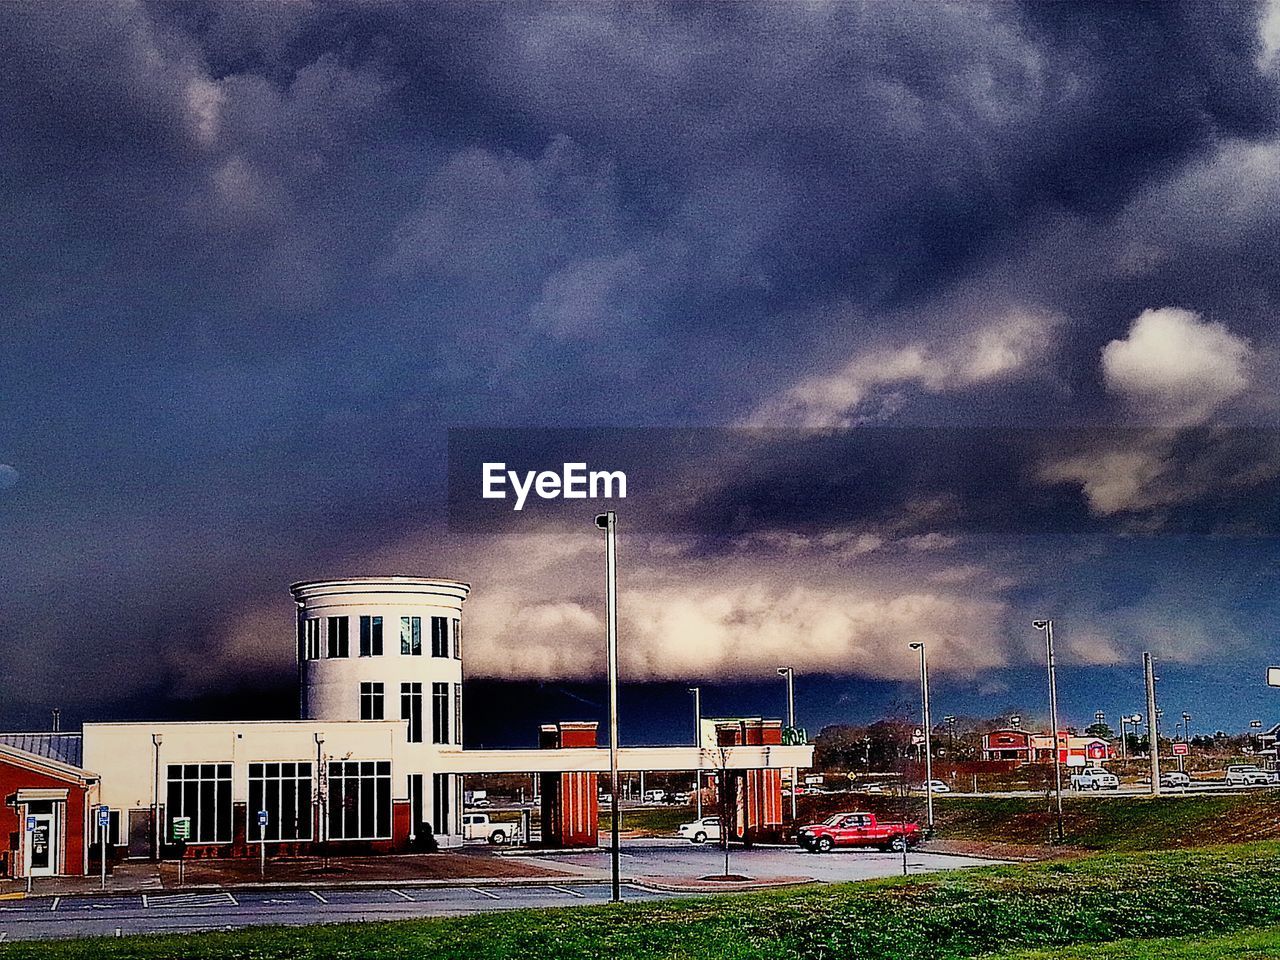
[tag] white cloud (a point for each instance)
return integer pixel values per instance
(1176, 369)
(1179, 372)
(998, 350)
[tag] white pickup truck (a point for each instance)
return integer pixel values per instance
(1094, 778)
(478, 826)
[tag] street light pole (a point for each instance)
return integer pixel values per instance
(789, 674)
(1047, 627)
(1153, 728)
(928, 743)
(697, 739)
(608, 522)
(156, 740)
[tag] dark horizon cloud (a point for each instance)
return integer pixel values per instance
(259, 258)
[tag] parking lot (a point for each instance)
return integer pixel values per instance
(680, 858)
(642, 861)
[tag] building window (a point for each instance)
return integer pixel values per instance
(360, 800)
(411, 636)
(411, 709)
(201, 791)
(284, 791)
(339, 643)
(440, 802)
(311, 629)
(371, 706)
(439, 713)
(457, 713)
(439, 636)
(457, 639)
(370, 636)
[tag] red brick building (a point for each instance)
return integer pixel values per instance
(44, 819)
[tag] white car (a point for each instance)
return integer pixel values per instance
(1175, 780)
(936, 786)
(654, 796)
(700, 831)
(1246, 775)
(1094, 778)
(478, 826)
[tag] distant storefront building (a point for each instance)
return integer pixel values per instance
(1023, 746)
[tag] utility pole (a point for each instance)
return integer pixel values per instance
(790, 674)
(1152, 729)
(697, 739)
(1047, 627)
(928, 743)
(608, 522)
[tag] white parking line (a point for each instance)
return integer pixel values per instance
(231, 897)
(144, 901)
(486, 893)
(56, 901)
(317, 896)
(572, 893)
(3, 934)
(401, 893)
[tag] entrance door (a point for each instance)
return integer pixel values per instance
(42, 858)
(141, 835)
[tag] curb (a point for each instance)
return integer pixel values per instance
(421, 884)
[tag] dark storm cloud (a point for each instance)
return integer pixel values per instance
(258, 256)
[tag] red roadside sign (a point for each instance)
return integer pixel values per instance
(1179, 749)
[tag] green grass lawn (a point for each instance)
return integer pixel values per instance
(1247, 945)
(1201, 894)
(1115, 823)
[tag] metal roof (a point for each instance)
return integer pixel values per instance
(64, 747)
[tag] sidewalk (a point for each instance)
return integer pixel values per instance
(423, 869)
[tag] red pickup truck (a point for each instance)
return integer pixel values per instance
(858, 830)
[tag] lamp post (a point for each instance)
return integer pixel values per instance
(156, 740)
(608, 522)
(789, 674)
(697, 739)
(1255, 726)
(1047, 627)
(1186, 727)
(928, 745)
(951, 736)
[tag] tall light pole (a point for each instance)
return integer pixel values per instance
(608, 522)
(1047, 627)
(156, 740)
(1153, 728)
(697, 739)
(1186, 727)
(789, 674)
(951, 736)
(928, 744)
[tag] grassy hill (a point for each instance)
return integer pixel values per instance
(1203, 894)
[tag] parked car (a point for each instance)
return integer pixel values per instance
(857, 830)
(874, 788)
(1246, 775)
(478, 826)
(700, 831)
(482, 802)
(1174, 780)
(654, 796)
(935, 786)
(1094, 778)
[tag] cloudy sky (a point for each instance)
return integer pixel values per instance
(991, 292)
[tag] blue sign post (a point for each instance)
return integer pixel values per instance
(104, 826)
(31, 824)
(262, 834)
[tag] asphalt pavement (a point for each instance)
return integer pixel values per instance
(216, 909)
